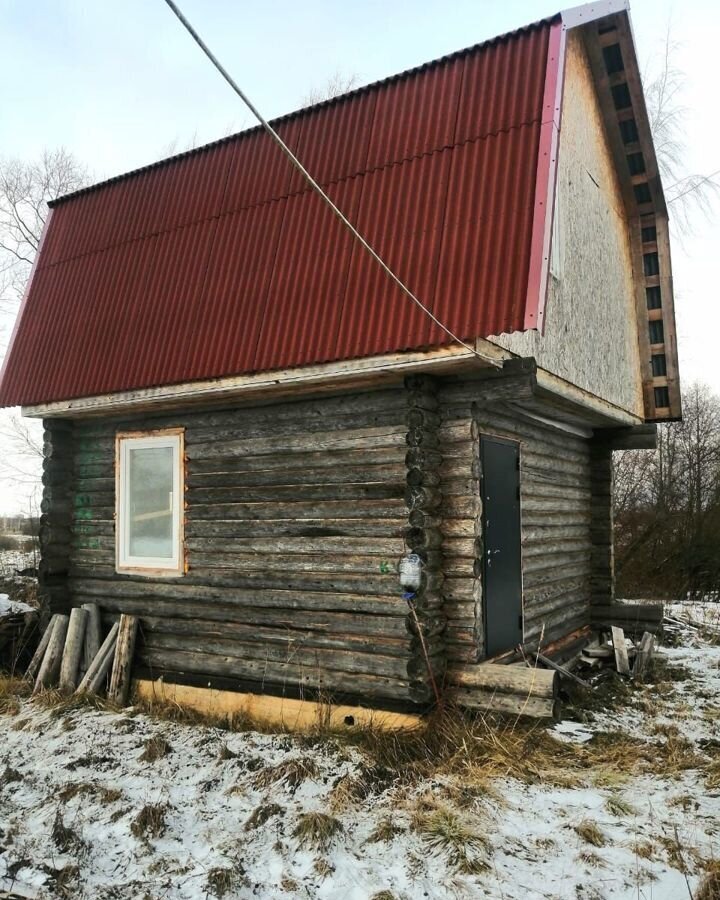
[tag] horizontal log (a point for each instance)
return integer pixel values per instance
(345, 475)
(389, 490)
(182, 614)
(341, 509)
(385, 531)
(630, 612)
(189, 588)
(290, 462)
(521, 680)
(255, 654)
(355, 439)
(331, 637)
(508, 704)
(278, 674)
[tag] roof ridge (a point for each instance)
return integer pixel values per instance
(286, 117)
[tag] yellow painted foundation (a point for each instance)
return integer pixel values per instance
(281, 712)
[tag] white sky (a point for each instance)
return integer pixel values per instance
(120, 83)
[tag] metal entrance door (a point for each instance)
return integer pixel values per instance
(502, 574)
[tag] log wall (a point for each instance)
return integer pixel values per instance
(56, 514)
(556, 510)
(295, 517)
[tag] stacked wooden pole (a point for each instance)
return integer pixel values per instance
(515, 690)
(70, 640)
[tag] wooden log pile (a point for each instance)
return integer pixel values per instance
(628, 657)
(71, 657)
(517, 690)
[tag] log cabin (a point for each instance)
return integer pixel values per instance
(303, 485)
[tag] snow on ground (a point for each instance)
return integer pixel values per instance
(86, 810)
(8, 606)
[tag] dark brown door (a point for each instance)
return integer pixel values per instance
(502, 575)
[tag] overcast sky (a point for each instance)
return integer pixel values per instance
(121, 84)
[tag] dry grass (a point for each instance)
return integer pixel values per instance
(150, 821)
(383, 895)
(644, 849)
(292, 773)
(65, 838)
(9, 776)
(225, 753)
(619, 807)
(709, 887)
(12, 691)
(590, 833)
(156, 748)
(384, 832)
(445, 831)
(591, 859)
(220, 881)
(323, 867)
(316, 830)
(261, 814)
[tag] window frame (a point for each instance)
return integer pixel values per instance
(146, 565)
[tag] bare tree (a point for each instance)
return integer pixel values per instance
(336, 84)
(686, 192)
(25, 189)
(667, 506)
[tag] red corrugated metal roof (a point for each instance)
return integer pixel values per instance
(221, 261)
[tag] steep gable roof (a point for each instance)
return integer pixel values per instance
(221, 261)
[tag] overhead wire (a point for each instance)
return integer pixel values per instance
(311, 181)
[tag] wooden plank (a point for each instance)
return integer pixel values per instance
(620, 648)
(566, 673)
(644, 653)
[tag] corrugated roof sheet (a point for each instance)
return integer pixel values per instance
(221, 261)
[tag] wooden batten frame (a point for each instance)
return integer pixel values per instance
(282, 712)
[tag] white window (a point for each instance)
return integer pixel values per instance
(149, 492)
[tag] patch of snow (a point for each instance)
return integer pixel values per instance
(63, 767)
(12, 607)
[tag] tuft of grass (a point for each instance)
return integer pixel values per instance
(592, 859)
(12, 690)
(590, 833)
(323, 867)
(155, 748)
(289, 884)
(9, 776)
(220, 881)
(150, 821)
(444, 831)
(644, 849)
(384, 832)
(383, 895)
(292, 772)
(709, 887)
(225, 753)
(316, 830)
(65, 838)
(261, 814)
(619, 807)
